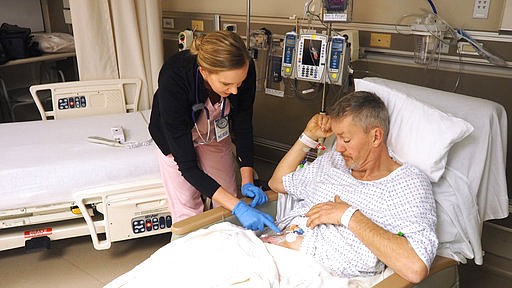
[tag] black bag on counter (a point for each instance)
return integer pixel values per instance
(16, 42)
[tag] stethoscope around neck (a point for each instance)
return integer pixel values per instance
(201, 106)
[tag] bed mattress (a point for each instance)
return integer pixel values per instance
(46, 162)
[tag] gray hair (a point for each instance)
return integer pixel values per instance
(366, 108)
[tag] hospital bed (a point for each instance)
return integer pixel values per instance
(464, 139)
(55, 184)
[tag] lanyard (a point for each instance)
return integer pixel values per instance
(201, 106)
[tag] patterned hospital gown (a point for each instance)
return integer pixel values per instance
(401, 202)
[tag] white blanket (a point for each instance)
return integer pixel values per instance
(226, 255)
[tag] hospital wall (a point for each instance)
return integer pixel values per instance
(278, 121)
(458, 12)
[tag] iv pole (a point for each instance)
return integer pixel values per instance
(324, 90)
(248, 19)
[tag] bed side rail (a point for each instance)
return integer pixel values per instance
(139, 199)
(209, 217)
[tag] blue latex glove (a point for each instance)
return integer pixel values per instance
(252, 218)
(259, 197)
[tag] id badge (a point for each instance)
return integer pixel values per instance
(221, 128)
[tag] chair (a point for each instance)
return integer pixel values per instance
(22, 97)
(86, 98)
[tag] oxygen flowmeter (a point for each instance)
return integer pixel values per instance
(290, 41)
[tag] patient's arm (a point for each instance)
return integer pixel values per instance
(288, 164)
(318, 126)
(394, 250)
(391, 249)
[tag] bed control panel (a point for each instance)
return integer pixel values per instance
(88, 101)
(152, 222)
(72, 102)
(134, 212)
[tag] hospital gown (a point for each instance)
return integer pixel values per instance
(400, 202)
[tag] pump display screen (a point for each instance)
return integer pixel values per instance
(337, 45)
(311, 52)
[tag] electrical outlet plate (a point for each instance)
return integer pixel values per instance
(380, 40)
(197, 25)
(481, 9)
(168, 23)
(466, 48)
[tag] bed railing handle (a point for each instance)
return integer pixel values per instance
(91, 224)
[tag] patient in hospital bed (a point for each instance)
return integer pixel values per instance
(327, 238)
(358, 210)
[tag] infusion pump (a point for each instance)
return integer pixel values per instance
(310, 57)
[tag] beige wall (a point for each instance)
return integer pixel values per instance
(458, 13)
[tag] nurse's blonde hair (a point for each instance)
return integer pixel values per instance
(220, 51)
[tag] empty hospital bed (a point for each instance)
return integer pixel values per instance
(55, 184)
(465, 160)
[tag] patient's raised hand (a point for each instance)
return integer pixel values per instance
(319, 126)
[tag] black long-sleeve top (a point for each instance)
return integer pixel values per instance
(171, 117)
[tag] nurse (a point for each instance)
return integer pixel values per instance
(205, 94)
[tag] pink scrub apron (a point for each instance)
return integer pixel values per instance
(214, 158)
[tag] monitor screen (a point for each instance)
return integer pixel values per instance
(311, 52)
(339, 5)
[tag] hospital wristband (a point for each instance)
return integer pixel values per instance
(308, 141)
(345, 218)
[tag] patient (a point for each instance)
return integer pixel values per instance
(358, 210)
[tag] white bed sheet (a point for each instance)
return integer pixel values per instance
(226, 255)
(45, 162)
(473, 188)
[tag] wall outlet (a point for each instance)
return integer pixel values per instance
(168, 23)
(380, 40)
(481, 9)
(197, 25)
(466, 48)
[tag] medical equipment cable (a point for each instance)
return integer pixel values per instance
(459, 74)
(434, 10)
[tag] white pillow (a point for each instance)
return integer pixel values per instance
(419, 134)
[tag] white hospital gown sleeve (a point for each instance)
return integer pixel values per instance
(296, 183)
(414, 204)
